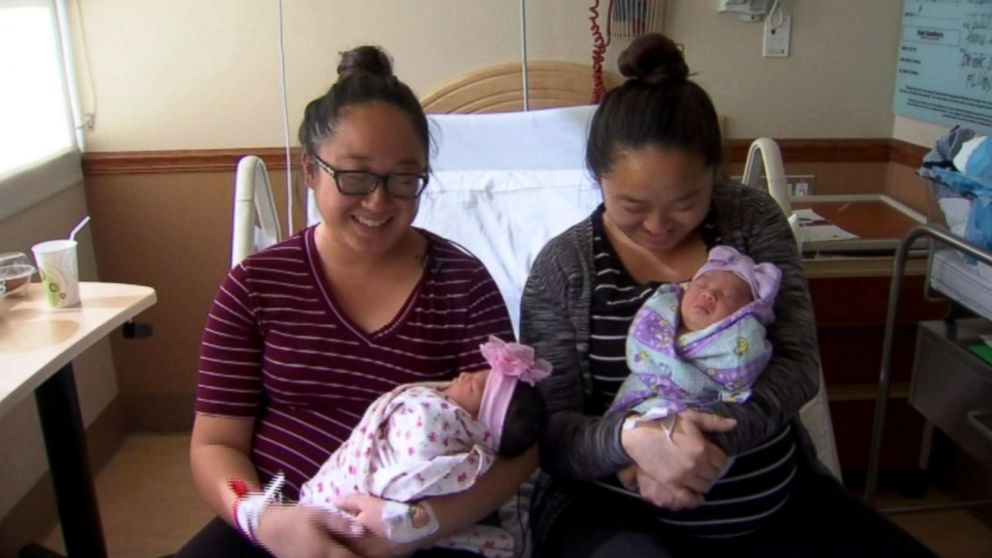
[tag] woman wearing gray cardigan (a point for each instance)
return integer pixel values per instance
(655, 146)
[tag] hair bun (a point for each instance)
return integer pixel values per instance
(365, 59)
(654, 58)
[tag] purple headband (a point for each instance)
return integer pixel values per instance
(763, 278)
(510, 362)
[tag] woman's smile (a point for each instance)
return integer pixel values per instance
(372, 222)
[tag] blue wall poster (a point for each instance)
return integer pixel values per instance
(944, 74)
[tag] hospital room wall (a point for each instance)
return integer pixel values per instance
(169, 231)
(188, 75)
(200, 76)
(22, 458)
(194, 75)
(179, 242)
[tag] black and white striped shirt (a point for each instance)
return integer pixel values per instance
(580, 443)
(759, 481)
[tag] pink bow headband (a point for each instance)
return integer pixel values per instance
(510, 362)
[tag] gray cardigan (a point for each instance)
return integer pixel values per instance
(555, 321)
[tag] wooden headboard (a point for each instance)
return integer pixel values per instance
(500, 88)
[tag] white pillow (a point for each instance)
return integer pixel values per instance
(546, 139)
(955, 213)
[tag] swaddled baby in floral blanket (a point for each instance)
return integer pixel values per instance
(431, 439)
(687, 349)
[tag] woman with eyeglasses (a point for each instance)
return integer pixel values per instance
(304, 335)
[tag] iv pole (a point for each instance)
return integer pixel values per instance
(523, 52)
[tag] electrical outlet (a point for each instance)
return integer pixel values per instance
(801, 184)
(777, 31)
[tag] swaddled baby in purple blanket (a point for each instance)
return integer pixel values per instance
(689, 348)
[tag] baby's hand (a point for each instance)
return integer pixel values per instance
(395, 521)
(365, 509)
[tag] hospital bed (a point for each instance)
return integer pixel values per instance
(504, 183)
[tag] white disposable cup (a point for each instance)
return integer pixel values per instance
(59, 270)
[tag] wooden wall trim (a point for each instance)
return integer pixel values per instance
(191, 160)
(226, 160)
(819, 150)
(880, 150)
(907, 154)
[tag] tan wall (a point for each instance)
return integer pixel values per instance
(195, 75)
(176, 238)
(187, 74)
(914, 131)
(192, 75)
(22, 459)
(172, 232)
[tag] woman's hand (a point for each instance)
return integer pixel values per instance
(628, 477)
(304, 532)
(367, 511)
(674, 498)
(686, 461)
(668, 496)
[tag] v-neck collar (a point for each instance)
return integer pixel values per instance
(309, 241)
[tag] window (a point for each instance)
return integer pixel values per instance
(38, 152)
(34, 105)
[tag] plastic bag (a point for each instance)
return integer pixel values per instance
(979, 228)
(960, 167)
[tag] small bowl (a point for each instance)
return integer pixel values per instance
(11, 258)
(14, 279)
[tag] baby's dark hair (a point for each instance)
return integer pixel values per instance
(526, 416)
(365, 74)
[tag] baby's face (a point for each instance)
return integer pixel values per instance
(466, 390)
(712, 297)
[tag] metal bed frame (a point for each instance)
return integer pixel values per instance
(943, 237)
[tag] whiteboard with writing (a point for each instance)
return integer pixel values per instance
(944, 74)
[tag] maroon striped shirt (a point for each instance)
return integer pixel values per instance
(277, 347)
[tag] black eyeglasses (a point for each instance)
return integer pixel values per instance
(363, 183)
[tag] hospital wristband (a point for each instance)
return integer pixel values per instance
(248, 507)
(666, 424)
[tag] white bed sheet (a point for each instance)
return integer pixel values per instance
(504, 218)
(968, 283)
